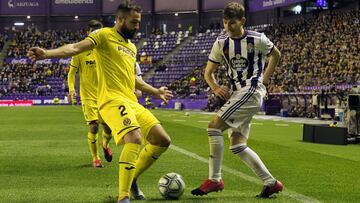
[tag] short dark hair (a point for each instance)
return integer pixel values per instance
(127, 7)
(94, 25)
(234, 10)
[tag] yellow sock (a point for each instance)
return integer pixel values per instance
(148, 155)
(93, 146)
(106, 139)
(127, 162)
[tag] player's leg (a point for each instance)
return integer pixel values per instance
(91, 117)
(157, 142)
(239, 134)
(106, 137)
(238, 145)
(121, 119)
(214, 182)
(93, 143)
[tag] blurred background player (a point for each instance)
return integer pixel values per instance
(138, 73)
(85, 64)
(130, 123)
(244, 54)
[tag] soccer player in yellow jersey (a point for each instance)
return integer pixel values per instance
(131, 124)
(85, 64)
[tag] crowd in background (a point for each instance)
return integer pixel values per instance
(31, 78)
(23, 40)
(319, 50)
(322, 50)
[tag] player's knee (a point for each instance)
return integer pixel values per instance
(107, 129)
(163, 141)
(236, 138)
(93, 127)
(133, 137)
(158, 137)
(217, 123)
(211, 124)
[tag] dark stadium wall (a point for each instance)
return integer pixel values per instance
(211, 17)
(174, 5)
(7, 23)
(262, 17)
(146, 24)
(175, 23)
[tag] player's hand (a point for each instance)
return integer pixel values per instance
(223, 92)
(36, 53)
(72, 95)
(164, 94)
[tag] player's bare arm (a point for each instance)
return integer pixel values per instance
(163, 93)
(68, 50)
(71, 84)
(220, 91)
(274, 58)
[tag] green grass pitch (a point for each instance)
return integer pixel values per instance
(44, 158)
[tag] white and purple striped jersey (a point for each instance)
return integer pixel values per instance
(243, 57)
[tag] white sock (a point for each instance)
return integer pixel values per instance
(216, 143)
(252, 160)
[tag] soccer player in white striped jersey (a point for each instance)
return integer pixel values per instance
(138, 73)
(243, 52)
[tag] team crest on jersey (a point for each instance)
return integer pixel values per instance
(239, 63)
(127, 121)
(250, 48)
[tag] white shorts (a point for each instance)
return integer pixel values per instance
(243, 104)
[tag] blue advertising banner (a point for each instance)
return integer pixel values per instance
(24, 7)
(75, 7)
(258, 5)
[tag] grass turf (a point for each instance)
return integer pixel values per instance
(44, 158)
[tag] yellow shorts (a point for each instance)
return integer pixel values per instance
(124, 116)
(90, 110)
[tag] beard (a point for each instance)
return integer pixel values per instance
(129, 34)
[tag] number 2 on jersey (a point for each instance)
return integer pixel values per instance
(122, 110)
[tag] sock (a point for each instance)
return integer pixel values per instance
(216, 143)
(252, 160)
(106, 139)
(148, 155)
(127, 161)
(93, 146)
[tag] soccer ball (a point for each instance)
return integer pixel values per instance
(171, 186)
(187, 114)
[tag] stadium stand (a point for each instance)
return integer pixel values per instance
(313, 58)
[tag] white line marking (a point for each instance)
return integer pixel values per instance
(169, 115)
(282, 124)
(176, 120)
(257, 123)
(287, 192)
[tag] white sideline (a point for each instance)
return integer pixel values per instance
(287, 192)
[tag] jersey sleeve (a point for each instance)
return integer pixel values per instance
(97, 37)
(266, 45)
(74, 65)
(215, 54)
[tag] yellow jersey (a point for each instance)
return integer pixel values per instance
(116, 57)
(85, 63)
